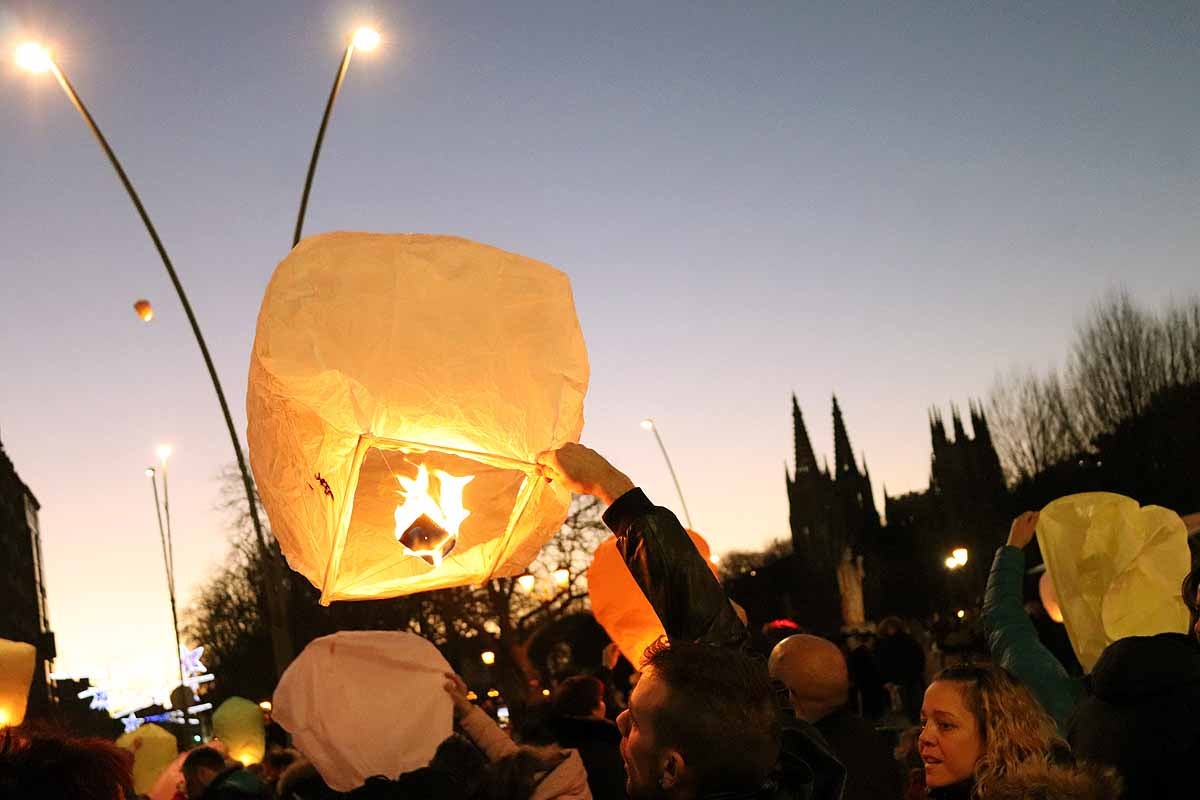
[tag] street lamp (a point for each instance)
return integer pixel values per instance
(34, 58)
(365, 39)
(526, 582)
(952, 562)
(649, 425)
(168, 560)
(487, 657)
(960, 554)
(562, 577)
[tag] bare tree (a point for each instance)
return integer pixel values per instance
(739, 562)
(1032, 427)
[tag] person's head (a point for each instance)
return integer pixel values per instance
(517, 775)
(275, 762)
(58, 767)
(979, 723)
(579, 696)
(702, 718)
(200, 768)
(815, 674)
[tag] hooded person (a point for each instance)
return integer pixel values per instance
(578, 720)
(703, 720)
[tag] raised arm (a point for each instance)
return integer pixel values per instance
(671, 573)
(1012, 637)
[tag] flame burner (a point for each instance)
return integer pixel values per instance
(427, 539)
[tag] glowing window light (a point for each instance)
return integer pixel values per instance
(472, 696)
(493, 693)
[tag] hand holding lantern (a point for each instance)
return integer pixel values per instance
(584, 471)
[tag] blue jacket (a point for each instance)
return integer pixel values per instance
(1014, 642)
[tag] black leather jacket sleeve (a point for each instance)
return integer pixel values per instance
(672, 574)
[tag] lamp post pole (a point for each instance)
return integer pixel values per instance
(650, 425)
(38, 59)
(168, 562)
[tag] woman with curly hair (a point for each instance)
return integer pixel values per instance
(978, 725)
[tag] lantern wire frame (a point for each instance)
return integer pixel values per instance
(532, 472)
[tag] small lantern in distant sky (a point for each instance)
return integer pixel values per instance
(239, 723)
(401, 388)
(1116, 568)
(17, 660)
(144, 310)
(153, 751)
(618, 603)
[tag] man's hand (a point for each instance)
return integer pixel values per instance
(610, 656)
(584, 471)
(1192, 521)
(1022, 530)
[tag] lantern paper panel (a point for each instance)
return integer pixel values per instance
(412, 371)
(240, 724)
(619, 604)
(153, 751)
(1116, 569)
(17, 661)
(363, 703)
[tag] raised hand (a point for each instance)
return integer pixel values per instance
(584, 471)
(1022, 530)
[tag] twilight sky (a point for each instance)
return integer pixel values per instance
(890, 201)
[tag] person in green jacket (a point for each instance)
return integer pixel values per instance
(1012, 637)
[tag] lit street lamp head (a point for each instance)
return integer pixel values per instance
(366, 39)
(150, 472)
(164, 452)
(647, 424)
(32, 57)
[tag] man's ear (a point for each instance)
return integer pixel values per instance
(673, 768)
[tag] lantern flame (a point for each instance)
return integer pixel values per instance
(428, 527)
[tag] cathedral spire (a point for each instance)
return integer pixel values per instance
(843, 454)
(960, 434)
(806, 460)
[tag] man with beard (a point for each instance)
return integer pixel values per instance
(703, 720)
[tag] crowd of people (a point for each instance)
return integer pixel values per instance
(710, 718)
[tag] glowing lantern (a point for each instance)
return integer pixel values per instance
(17, 660)
(363, 703)
(618, 603)
(144, 310)
(1049, 598)
(1116, 568)
(400, 390)
(153, 751)
(239, 723)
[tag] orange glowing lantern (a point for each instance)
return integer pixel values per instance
(618, 603)
(400, 390)
(153, 751)
(239, 723)
(17, 660)
(144, 310)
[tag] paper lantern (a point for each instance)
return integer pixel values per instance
(363, 703)
(17, 660)
(144, 310)
(401, 388)
(1049, 598)
(153, 751)
(618, 603)
(1116, 569)
(239, 723)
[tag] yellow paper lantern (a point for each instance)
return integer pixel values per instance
(144, 310)
(1116, 569)
(153, 751)
(618, 603)
(17, 660)
(1049, 598)
(239, 723)
(400, 390)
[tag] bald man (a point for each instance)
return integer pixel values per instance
(818, 686)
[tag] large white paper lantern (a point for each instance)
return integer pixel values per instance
(1116, 567)
(400, 390)
(363, 703)
(17, 660)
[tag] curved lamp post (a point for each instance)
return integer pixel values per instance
(648, 424)
(37, 59)
(365, 39)
(168, 558)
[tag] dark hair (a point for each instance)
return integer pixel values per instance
(1191, 584)
(578, 696)
(51, 766)
(203, 758)
(720, 713)
(279, 760)
(517, 775)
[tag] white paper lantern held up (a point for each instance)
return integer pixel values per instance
(400, 390)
